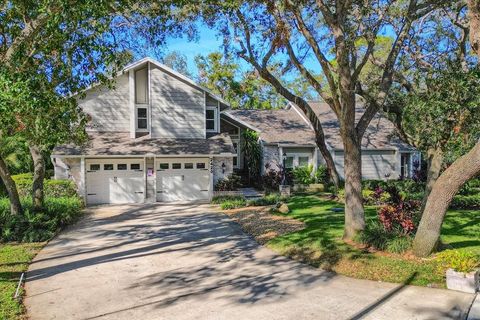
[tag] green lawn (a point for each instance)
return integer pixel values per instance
(320, 244)
(14, 259)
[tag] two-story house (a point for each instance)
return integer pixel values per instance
(159, 136)
(154, 137)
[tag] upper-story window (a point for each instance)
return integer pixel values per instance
(211, 119)
(141, 86)
(142, 118)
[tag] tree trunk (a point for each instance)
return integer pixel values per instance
(443, 191)
(15, 205)
(474, 20)
(435, 161)
(38, 177)
(327, 156)
(354, 212)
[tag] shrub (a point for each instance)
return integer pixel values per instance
(466, 202)
(303, 175)
(38, 226)
(233, 204)
(52, 188)
(377, 197)
(267, 200)
(375, 236)
(321, 175)
(271, 180)
(458, 260)
(220, 199)
(399, 244)
(401, 218)
(231, 183)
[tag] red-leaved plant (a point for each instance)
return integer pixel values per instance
(400, 217)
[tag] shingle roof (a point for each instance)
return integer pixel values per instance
(380, 134)
(284, 126)
(120, 143)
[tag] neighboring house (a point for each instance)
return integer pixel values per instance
(287, 137)
(158, 136)
(154, 137)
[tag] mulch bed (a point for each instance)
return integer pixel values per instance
(262, 224)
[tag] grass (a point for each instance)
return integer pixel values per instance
(320, 244)
(14, 259)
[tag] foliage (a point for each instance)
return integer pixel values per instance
(306, 175)
(14, 151)
(458, 260)
(303, 175)
(320, 243)
(267, 200)
(38, 226)
(231, 183)
(15, 258)
(246, 90)
(271, 180)
(466, 202)
(177, 61)
(375, 197)
(252, 152)
(220, 199)
(400, 218)
(444, 113)
(399, 244)
(233, 204)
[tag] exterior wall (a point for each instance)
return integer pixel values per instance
(177, 108)
(70, 168)
(271, 158)
(217, 170)
(376, 164)
(108, 108)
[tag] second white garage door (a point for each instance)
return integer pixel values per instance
(115, 181)
(375, 164)
(182, 179)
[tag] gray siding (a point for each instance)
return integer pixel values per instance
(177, 108)
(378, 165)
(108, 108)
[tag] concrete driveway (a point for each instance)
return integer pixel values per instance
(190, 262)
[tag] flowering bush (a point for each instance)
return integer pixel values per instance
(400, 218)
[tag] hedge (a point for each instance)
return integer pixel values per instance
(52, 188)
(38, 226)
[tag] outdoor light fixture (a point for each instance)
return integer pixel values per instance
(223, 167)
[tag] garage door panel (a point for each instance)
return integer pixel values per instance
(182, 179)
(125, 183)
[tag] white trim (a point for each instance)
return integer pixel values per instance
(233, 124)
(301, 114)
(237, 141)
(175, 73)
(149, 83)
(131, 101)
(243, 123)
(142, 106)
(215, 119)
(224, 155)
(205, 114)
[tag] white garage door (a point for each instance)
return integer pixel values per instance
(375, 164)
(182, 179)
(115, 181)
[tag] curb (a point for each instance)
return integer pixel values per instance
(474, 312)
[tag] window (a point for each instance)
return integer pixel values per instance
(94, 167)
(303, 161)
(142, 118)
(235, 159)
(211, 119)
(141, 86)
(135, 166)
(188, 165)
(122, 166)
(201, 165)
(289, 162)
(164, 166)
(108, 166)
(176, 166)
